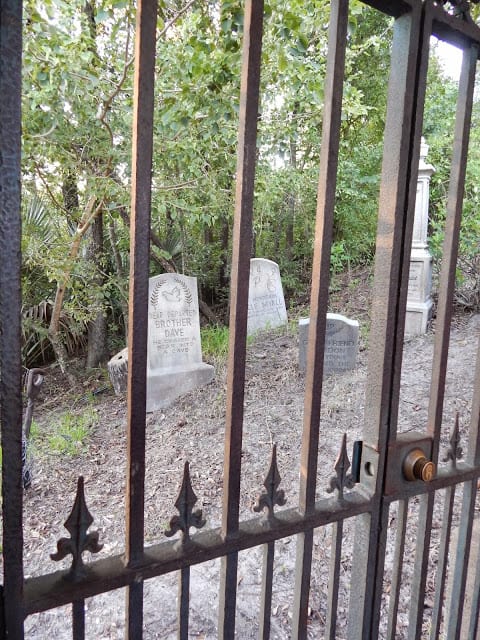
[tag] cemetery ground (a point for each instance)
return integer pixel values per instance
(85, 433)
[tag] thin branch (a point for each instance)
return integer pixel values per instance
(180, 185)
(108, 102)
(48, 190)
(46, 133)
(175, 18)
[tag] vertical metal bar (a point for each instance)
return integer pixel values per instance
(439, 369)
(142, 149)
(183, 603)
(474, 624)
(456, 603)
(397, 569)
(267, 584)
(10, 311)
(241, 254)
(443, 554)
(334, 581)
(319, 299)
(395, 224)
(3, 631)
(450, 245)
(473, 458)
(78, 620)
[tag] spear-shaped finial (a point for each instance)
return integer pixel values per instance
(341, 480)
(188, 517)
(273, 495)
(455, 451)
(77, 525)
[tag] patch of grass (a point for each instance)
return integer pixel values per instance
(69, 435)
(215, 341)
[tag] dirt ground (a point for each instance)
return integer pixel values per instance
(193, 429)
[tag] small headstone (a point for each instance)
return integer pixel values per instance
(341, 343)
(266, 304)
(174, 349)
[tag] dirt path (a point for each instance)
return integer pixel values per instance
(193, 429)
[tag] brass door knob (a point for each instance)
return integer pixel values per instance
(417, 467)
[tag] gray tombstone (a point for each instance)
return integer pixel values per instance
(174, 364)
(341, 343)
(266, 304)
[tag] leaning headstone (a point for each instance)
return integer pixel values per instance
(341, 343)
(174, 349)
(266, 304)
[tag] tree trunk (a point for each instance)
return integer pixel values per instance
(121, 275)
(289, 234)
(54, 333)
(223, 275)
(97, 353)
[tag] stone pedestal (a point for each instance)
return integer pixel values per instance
(419, 301)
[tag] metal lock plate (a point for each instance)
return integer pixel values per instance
(411, 451)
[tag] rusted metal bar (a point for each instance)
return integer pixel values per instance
(267, 585)
(442, 332)
(397, 569)
(474, 622)
(473, 457)
(466, 522)
(394, 233)
(241, 254)
(443, 555)
(52, 590)
(394, 8)
(450, 246)
(142, 149)
(10, 312)
(319, 300)
(183, 603)
(334, 581)
(451, 29)
(78, 620)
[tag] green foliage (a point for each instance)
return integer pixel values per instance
(70, 433)
(78, 79)
(215, 342)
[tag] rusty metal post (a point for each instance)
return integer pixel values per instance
(242, 248)
(10, 311)
(142, 151)
(319, 300)
(395, 223)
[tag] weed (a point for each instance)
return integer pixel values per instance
(215, 341)
(70, 433)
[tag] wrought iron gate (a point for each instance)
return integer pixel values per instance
(382, 480)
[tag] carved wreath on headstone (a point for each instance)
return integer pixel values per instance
(171, 295)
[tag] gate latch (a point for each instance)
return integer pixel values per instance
(409, 461)
(417, 467)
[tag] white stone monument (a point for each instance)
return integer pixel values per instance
(174, 363)
(419, 301)
(266, 304)
(341, 343)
